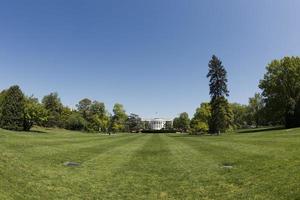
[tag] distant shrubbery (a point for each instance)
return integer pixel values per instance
(19, 112)
(158, 131)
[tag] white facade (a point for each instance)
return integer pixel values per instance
(157, 123)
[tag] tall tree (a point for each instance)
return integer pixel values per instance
(220, 110)
(53, 105)
(12, 109)
(119, 118)
(281, 90)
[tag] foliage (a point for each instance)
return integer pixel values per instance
(256, 106)
(54, 107)
(95, 115)
(83, 107)
(98, 116)
(12, 109)
(241, 116)
(221, 115)
(182, 123)
(200, 121)
(168, 125)
(34, 113)
(134, 123)
(119, 118)
(281, 90)
(76, 122)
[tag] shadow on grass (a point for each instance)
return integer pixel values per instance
(255, 130)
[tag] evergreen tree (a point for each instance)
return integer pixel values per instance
(12, 109)
(220, 110)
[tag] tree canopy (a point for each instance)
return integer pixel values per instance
(281, 90)
(12, 109)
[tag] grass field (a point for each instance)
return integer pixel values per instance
(266, 165)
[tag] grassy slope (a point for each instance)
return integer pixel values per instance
(136, 166)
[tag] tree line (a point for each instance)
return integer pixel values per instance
(277, 104)
(20, 112)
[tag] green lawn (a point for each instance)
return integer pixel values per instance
(266, 165)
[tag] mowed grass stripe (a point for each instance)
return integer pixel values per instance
(21, 141)
(26, 149)
(38, 180)
(147, 175)
(251, 172)
(81, 151)
(198, 170)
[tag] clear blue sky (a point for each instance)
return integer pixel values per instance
(150, 56)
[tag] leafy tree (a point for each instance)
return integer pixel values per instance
(76, 122)
(118, 119)
(256, 105)
(220, 110)
(134, 123)
(54, 107)
(240, 115)
(182, 123)
(66, 112)
(84, 107)
(94, 113)
(34, 113)
(168, 125)
(12, 109)
(200, 121)
(146, 125)
(281, 90)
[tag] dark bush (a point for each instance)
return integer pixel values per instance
(76, 122)
(159, 131)
(12, 109)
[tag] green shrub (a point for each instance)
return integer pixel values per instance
(76, 122)
(12, 109)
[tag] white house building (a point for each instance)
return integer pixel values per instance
(158, 123)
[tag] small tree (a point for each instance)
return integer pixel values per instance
(182, 123)
(12, 109)
(134, 123)
(34, 113)
(200, 121)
